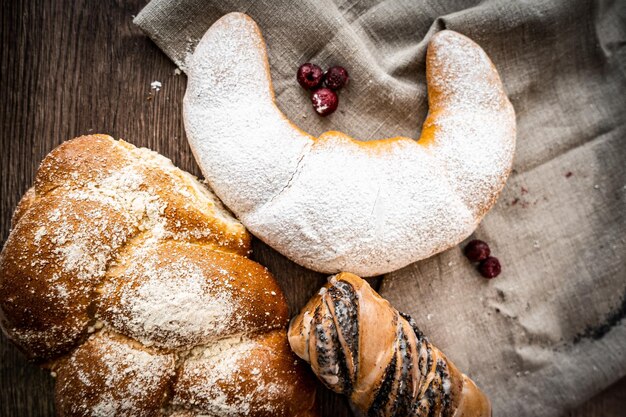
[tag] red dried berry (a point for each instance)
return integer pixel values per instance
(309, 76)
(325, 101)
(490, 267)
(477, 250)
(336, 78)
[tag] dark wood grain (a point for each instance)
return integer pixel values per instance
(74, 67)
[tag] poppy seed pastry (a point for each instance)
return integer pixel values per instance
(332, 203)
(360, 346)
(127, 279)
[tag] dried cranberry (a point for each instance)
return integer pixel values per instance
(309, 76)
(477, 250)
(336, 78)
(490, 267)
(325, 101)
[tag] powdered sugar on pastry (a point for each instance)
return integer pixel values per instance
(333, 203)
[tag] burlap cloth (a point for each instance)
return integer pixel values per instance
(548, 333)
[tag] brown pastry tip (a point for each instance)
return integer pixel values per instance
(360, 346)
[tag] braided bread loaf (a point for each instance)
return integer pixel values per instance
(359, 345)
(126, 277)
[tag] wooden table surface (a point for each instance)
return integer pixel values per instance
(70, 68)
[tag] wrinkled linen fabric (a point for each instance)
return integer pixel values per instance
(548, 333)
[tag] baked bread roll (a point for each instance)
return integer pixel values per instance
(332, 203)
(127, 278)
(360, 346)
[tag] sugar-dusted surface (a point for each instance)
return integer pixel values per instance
(120, 267)
(229, 93)
(239, 375)
(108, 376)
(332, 203)
(116, 101)
(171, 305)
(207, 371)
(175, 295)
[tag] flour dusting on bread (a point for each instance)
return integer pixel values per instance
(120, 269)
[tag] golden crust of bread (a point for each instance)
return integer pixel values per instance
(50, 266)
(265, 373)
(121, 268)
(112, 373)
(138, 291)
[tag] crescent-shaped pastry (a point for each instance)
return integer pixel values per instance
(334, 203)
